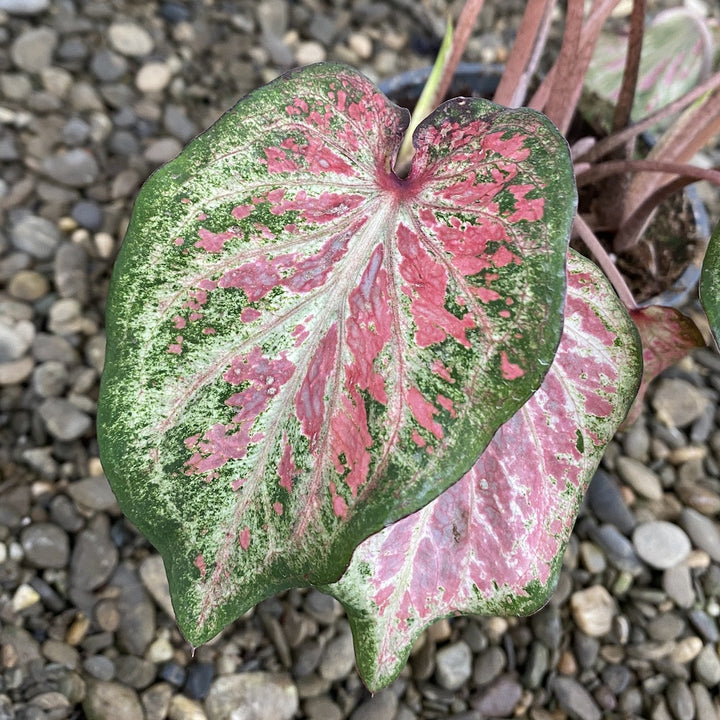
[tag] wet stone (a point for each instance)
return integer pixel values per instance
(45, 545)
(661, 544)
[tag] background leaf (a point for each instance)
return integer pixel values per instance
(676, 56)
(667, 336)
(710, 283)
(303, 347)
(493, 543)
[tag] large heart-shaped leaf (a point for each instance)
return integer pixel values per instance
(710, 283)
(304, 347)
(493, 543)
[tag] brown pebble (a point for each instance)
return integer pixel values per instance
(78, 630)
(107, 615)
(567, 665)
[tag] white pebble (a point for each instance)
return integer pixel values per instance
(153, 77)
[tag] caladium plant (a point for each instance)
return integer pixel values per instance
(304, 348)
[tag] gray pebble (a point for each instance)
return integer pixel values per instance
(24, 7)
(94, 556)
(136, 672)
(93, 494)
(108, 66)
(574, 699)
(322, 708)
(36, 236)
(537, 665)
(177, 123)
(75, 167)
(75, 132)
(381, 706)
(641, 478)
(616, 677)
(130, 39)
(453, 665)
(707, 666)
(156, 701)
(338, 657)
(488, 665)
(704, 708)
(99, 667)
(618, 549)
(702, 531)
(45, 545)
(705, 625)
(678, 584)
(677, 402)
(70, 271)
(272, 16)
(63, 420)
(33, 50)
(668, 626)
(50, 379)
(661, 544)
(252, 696)
(608, 504)
(15, 339)
(153, 576)
(586, 649)
(137, 613)
(500, 698)
(322, 607)
(680, 700)
(111, 701)
(87, 214)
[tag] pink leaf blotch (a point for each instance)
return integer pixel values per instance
(493, 542)
(304, 347)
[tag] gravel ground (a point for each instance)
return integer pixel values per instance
(94, 95)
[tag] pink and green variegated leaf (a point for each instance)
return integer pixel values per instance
(493, 542)
(667, 336)
(304, 347)
(676, 55)
(710, 283)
